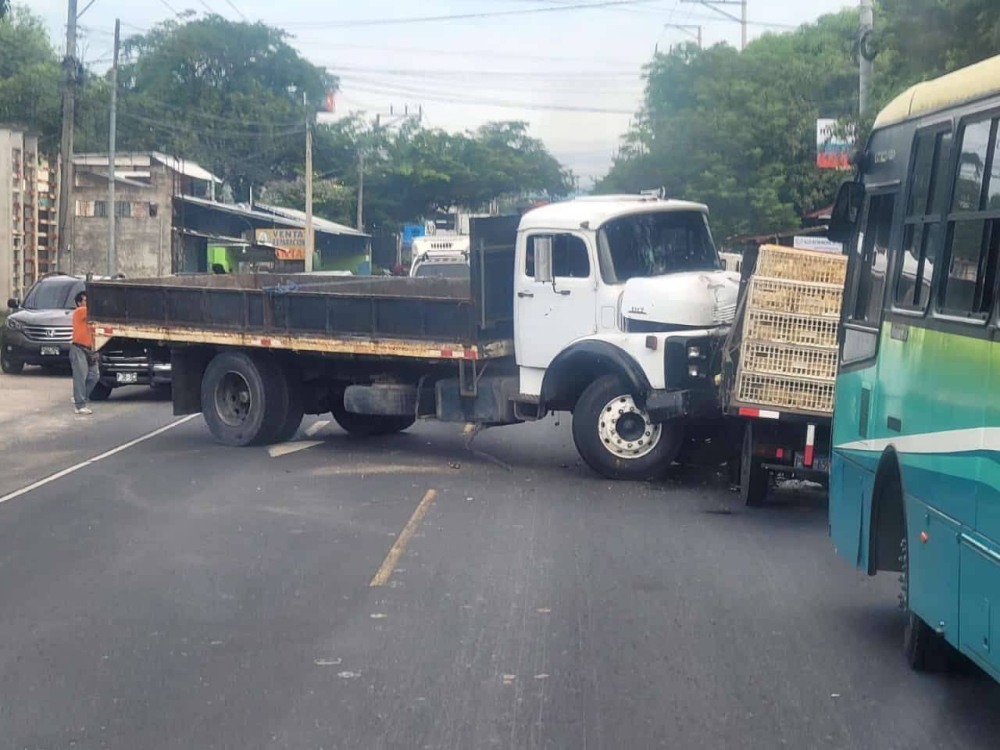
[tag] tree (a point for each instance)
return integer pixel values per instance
(4, 8)
(232, 96)
(30, 75)
(737, 130)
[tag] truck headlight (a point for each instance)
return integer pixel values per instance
(694, 352)
(15, 324)
(694, 371)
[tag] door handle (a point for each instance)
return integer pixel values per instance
(522, 295)
(563, 292)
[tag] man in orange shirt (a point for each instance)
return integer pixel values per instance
(82, 357)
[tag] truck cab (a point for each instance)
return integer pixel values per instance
(444, 257)
(621, 299)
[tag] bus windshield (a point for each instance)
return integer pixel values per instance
(655, 244)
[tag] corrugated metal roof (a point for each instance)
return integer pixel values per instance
(241, 209)
(293, 213)
(129, 160)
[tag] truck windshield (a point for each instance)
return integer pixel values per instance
(655, 244)
(56, 294)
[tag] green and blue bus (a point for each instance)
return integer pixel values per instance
(915, 466)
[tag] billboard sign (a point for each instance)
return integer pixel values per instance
(288, 244)
(832, 148)
(822, 244)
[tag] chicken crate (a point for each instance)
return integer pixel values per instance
(796, 297)
(796, 394)
(766, 358)
(782, 328)
(790, 263)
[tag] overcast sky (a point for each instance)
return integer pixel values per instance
(574, 74)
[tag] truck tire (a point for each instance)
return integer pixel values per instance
(367, 425)
(296, 410)
(101, 391)
(614, 436)
(244, 398)
(753, 475)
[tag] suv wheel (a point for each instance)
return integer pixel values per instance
(11, 366)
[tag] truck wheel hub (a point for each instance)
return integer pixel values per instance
(625, 429)
(233, 399)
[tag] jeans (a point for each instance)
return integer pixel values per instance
(85, 374)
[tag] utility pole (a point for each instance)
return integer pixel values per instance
(741, 19)
(361, 191)
(692, 30)
(112, 134)
(66, 204)
(310, 236)
(866, 57)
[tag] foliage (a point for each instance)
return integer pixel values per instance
(737, 130)
(231, 96)
(30, 74)
(411, 172)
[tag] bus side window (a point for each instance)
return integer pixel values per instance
(925, 207)
(973, 234)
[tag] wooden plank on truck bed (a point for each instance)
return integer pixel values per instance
(415, 349)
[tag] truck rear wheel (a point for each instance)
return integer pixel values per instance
(244, 398)
(296, 410)
(615, 436)
(367, 425)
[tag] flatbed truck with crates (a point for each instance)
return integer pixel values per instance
(780, 366)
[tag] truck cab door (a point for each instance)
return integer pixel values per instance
(553, 312)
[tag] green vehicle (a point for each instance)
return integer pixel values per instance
(915, 471)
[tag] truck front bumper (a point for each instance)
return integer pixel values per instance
(664, 405)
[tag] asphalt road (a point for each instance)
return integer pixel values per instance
(178, 594)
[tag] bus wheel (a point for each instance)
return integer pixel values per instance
(615, 436)
(925, 650)
(244, 398)
(753, 475)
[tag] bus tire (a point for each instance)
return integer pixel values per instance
(615, 437)
(753, 475)
(367, 425)
(244, 398)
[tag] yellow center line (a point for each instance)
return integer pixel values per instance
(389, 564)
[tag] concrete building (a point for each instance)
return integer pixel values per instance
(28, 212)
(145, 187)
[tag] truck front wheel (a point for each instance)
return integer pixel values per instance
(615, 436)
(244, 399)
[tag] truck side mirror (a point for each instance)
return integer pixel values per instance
(543, 259)
(13, 304)
(846, 210)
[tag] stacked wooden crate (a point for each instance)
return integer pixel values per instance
(788, 351)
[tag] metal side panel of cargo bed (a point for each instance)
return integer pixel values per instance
(427, 318)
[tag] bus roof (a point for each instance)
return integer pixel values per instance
(967, 84)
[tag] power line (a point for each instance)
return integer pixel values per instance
(489, 102)
(238, 11)
(480, 54)
(170, 8)
(211, 134)
(442, 73)
(466, 16)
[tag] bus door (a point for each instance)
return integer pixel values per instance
(853, 474)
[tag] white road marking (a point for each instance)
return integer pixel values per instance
(277, 451)
(389, 564)
(373, 469)
(83, 464)
(315, 427)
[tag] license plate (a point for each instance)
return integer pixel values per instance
(50, 351)
(126, 377)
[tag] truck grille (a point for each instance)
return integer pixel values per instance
(49, 334)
